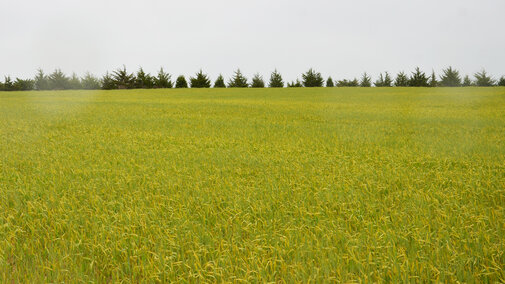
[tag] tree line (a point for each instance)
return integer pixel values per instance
(122, 79)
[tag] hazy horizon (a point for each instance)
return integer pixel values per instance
(338, 38)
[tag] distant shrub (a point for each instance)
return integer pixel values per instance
(181, 82)
(384, 81)
(366, 81)
(163, 80)
(23, 85)
(219, 83)
(238, 80)
(329, 83)
(483, 80)
(201, 80)
(257, 81)
(433, 80)
(348, 83)
(276, 80)
(312, 79)
(450, 78)
(295, 84)
(467, 82)
(501, 82)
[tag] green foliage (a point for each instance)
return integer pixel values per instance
(450, 78)
(41, 81)
(366, 81)
(329, 83)
(483, 80)
(24, 84)
(201, 80)
(312, 79)
(108, 82)
(90, 82)
(163, 80)
(122, 79)
(257, 81)
(418, 79)
(58, 80)
(501, 82)
(238, 80)
(467, 82)
(219, 83)
(384, 81)
(276, 80)
(144, 80)
(181, 82)
(295, 84)
(402, 80)
(433, 80)
(348, 83)
(8, 85)
(74, 82)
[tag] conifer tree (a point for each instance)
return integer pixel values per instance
(366, 81)
(312, 79)
(108, 82)
(402, 80)
(201, 80)
(433, 79)
(384, 81)
(75, 82)
(501, 82)
(329, 83)
(418, 79)
(143, 80)
(8, 85)
(295, 84)
(467, 82)
(482, 79)
(23, 85)
(41, 81)
(181, 82)
(163, 80)
(219, 83)
(238, 80)
(122, 79)
(90, 82)
(450, 78)
(276, 80)
(257, 81)
(58, 80)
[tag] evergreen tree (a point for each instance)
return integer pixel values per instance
(329, 83)
(348, 83)
(200, 81)
(181, 82)
(8, 85)
(257, 81)
(467, 82)
(23, 85)
(312, 79)
(450, 78)
(276, 80)
(433, 80)
(501, 82)
(219, 83)
(238, 80)
(295, 84)
(89, 82)
(366, 81)
(402, 80)
(418, 79)
(74, 82)
(122, 79)
(384, 81)
(2, 88)
(483, 80)
(163, 80)
(108, 82)
(144, 80)
(41, 81)
(58, 80)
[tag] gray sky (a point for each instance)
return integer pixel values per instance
(337, 38)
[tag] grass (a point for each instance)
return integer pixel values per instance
(330, 184)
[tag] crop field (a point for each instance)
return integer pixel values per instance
(253, 185)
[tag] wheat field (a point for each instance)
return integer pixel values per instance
(253, 185)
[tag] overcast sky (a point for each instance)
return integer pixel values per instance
(337, 38)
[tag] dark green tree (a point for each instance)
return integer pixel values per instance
(2, 88)
(58, 80)
(312, 79)
(418, 79)
(181, 82)
(41, 81)
(348, 83)
(501, 82)
(276, 80)
(74, 82)
(122, 79)
(144, 80)
(366, 81)
(8, 85)
(238, 80)
(402, 80)
(433, 79)
(163, 80)
(23, 85)
(201, 80)
(482, 79)
(295, 84)
(108, 82)
(467, 82)
(329, 83)
(90, 82)
(219, 83)
(257, 81)
(450, 78)
(384, 81)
